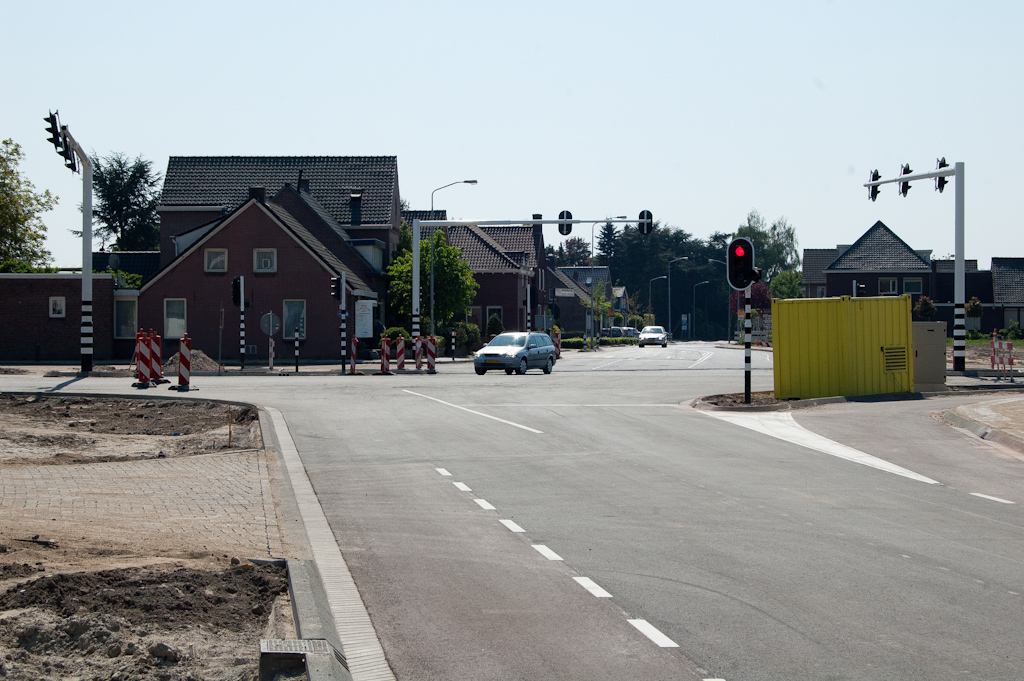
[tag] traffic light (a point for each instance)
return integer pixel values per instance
(70, 161)
(336, 288)
(940, 182)
(904, 186)
(646, 223)
(236, 291)
(564, 228)
(53, 127)
(873, 191)
(740, 260)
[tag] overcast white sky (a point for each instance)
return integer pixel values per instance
(698, 112)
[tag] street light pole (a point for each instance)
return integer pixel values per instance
(693, 309)
(650, 284)
(670, 325)
(417, 246)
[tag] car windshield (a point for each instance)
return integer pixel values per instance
(518, 341)
(653, 329)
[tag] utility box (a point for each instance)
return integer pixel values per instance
(929, 356)
(826, 347)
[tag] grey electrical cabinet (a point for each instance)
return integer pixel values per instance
(929, 356)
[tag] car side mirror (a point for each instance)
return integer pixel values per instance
(533, 345)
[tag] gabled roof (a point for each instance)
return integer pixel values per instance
(580, 273)
(410, 215)
(314, 244)
(1008, 280)
(815, 262)
(482, 252)
(144, 263)
(225, 181)
(564, 281)
(879, 250)
(516, 240)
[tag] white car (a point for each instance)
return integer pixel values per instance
(653, 335)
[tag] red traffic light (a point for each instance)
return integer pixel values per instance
(739, 251)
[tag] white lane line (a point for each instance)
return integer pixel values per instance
(511, 524)
(546, 552)
(781, 425)
(478, 413)
(703, 356)
(484, 504)
(463, 487)
(588, 584)
(985, 496)
(607, 364)
(443, 472)
(641, 405)
(648, 630)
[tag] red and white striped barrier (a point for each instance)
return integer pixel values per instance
(385, 355)
(418, 352)
(355, 346)
(558, 344)
(1002, 356)
(431, 355)
(142, 358)
(156, 369)
(184, 362)
(400, 353)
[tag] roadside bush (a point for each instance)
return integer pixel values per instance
(466, 334)
(395, 331)
(573, 343)
(494, 325)
(623, 340)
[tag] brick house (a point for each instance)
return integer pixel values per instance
(570, 302)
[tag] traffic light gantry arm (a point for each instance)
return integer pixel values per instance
(943, 172)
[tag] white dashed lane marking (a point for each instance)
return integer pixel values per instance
(510, 524)
(546, 552)
(985, 496)
(462, 487)
(651, 632)
(588, 584)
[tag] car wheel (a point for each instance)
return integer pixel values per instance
(480, 372)
(548, 366)
(664, 345)
(509, 371)
(522, 367)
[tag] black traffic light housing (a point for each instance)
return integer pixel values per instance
(236, 291)
(336, 288)
(940, 182)
(873, 191)
(53, 127)
(740, 263)
(646, 222)
(904, 187)
(564, 228)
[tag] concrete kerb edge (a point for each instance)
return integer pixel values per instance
(983, 431)
(698, 403)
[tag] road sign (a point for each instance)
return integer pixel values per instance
(270, 324)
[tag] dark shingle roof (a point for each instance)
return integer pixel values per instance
(564, 281)
(145, 263)
(480, 251)
(316, 246)
(879, 250)
(516, 240)
(410, 215)
(225, 181)
(579, 273)
(815, 262)
(948, 265)
(1008, 280)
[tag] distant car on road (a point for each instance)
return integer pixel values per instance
(516, 351)
(630, 331)
(653, 335)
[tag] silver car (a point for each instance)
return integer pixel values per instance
(653, 335)
(516, 351)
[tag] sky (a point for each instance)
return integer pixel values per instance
(698, 112)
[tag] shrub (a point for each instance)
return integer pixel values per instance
(572, 343)
(624, 340)
(925, 308)
(466, 334)
(974, 307)
(395, 331)
(494, 325)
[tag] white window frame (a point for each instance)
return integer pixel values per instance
(257, 265)
(913, 280)
(135, 317)
(206, 259)
(58, 307)
(820, 292)
(168, 332)
(286, 328)
(889, 290)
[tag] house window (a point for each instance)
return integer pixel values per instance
(216, 259)
(264, 260)
(125, 318)
(886, 286)
(492, 309)
(174, 318)
(912, 286)
(57, 307)
(294, 317)
(820, 292)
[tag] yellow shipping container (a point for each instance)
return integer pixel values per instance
(826, 347)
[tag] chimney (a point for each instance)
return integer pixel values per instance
(304, 184)
(356, 206)
(538, 228)
(258, 193)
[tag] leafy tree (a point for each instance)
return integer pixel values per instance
(925, 308)
(775, 247)
(22, 232)
(127, 194)
(404, 239)
(454, 285)
(787, 285)
(577, 252)
(974, 307)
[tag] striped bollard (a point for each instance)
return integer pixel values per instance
(418, 352)
(156, 369)
(385, 355)
(400, 353)
(746, 346)
(558, 344)
(142, 360)
(184, 362)
(355, 346)
(431, 355)
(453, 345)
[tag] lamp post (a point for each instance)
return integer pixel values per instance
(670, 325)
(592, 273)
(650, 284)
(728, 305)
(693, 310)
(432, 248)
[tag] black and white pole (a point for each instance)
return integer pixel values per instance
(416, 279)
(241, 321)
(343, 313)
(959, 328)
(296, 349)
(453, 345)
(529, 307)
(746, 345)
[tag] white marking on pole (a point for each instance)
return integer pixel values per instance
(443, 472)
(484, 504)
(985, 496)
(478, 413)
(781, 425)
(703, 356)
(546, 552)
(588, 584)
(648, 630)
(463, 487)
(511, 524)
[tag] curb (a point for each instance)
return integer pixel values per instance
(699, 403)
(983, 431)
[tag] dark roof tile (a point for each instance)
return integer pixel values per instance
(1008, 280)
(879, 250)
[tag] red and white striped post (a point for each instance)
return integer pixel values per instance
(400, 353)
(156, 372)
(431, 355)
(558, 344)
(385, 355)
(1002, 355)
(355, 346)
(142, 358)
(418, 352)
(184, 362)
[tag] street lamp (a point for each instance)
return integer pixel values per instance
(670, 325)
(649, 285)
(432, 248)
(594, 278)
(693, 309)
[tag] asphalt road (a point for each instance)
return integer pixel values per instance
(633, 524)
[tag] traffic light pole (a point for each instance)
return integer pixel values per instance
(87, 326)
(746, 345)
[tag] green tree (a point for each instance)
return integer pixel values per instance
(454, 285)
(787, 284)
(22, 232)
(404, 239)
(127, 194)
(577, 252)
(974, 308)
(925, 308)
(494, 325)
(775, 247)
(607, 241)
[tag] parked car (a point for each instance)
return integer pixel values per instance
(516, 351)
(653, 335)
(630, 331)
(616, 332)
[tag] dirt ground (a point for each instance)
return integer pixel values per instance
(84, 610)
